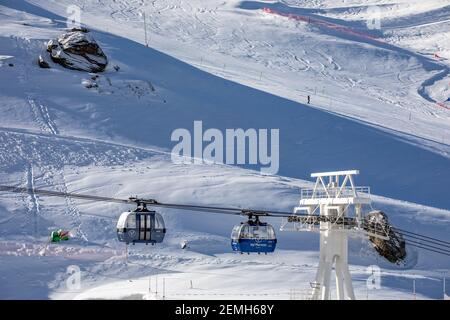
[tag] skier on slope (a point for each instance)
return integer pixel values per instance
(309, 99)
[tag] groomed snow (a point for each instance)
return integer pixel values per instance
(231, 65)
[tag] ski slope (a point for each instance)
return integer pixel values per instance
(231, 65)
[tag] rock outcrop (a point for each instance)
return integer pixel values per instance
(42, 63)
(77, 50)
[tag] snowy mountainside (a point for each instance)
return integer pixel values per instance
(184, 91)
(374, 114)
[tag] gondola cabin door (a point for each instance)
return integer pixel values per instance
(144, 221)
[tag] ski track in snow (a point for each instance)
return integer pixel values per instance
(33, 206)
(42, 117)
(70, 207)
(422, 90)
(339, 80)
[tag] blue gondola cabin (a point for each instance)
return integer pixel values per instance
(253, 236)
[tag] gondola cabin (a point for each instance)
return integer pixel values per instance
(141, 226)
(253, 236)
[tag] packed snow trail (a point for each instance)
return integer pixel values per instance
(340, 29)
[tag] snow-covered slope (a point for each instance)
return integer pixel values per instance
(231, 65)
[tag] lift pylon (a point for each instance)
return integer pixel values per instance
(334, 193)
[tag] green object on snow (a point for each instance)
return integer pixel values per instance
(59, 235)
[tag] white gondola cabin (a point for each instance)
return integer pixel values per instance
(141, 226)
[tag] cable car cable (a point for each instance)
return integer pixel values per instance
(152, 202)
(426, 241)
(407, 240)
(413, 233)
(383, 228)
(427, 245)
(405, 234)
(61, 194)
(425, 248)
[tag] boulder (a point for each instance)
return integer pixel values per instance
(81, 29)
(393, 249)
(42, 63)
(77, 50)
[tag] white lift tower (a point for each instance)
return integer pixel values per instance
(328, 206)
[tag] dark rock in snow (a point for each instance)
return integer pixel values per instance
(80, 29)
(393, 249)
(78, 51)
(42, 63)
(89, 83)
